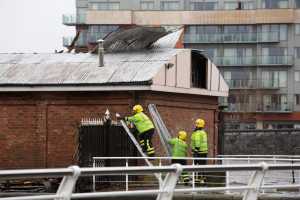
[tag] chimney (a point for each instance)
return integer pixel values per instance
(101, 53)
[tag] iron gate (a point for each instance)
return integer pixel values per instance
(97, 138)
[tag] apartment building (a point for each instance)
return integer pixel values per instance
(255, 43)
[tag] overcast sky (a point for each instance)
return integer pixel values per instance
(33, 25)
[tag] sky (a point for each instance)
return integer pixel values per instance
(34, 25)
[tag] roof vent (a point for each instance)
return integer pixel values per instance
(101, 52)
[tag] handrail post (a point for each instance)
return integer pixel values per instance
(256, 181)
(126, 175)
(193, 178)
(67, 185)
(160, 183)
(94, 177)
(169, 184)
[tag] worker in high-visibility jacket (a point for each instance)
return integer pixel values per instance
(179, 152)
(199, 144)
(144, 127)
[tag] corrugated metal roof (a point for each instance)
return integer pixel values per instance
(169, 41)
(47, 69)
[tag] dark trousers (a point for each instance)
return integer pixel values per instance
(146, 142)
(184, 176)
(200, 175)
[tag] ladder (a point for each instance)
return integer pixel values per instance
(158, 176)
(161, 128)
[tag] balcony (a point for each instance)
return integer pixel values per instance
(252, 84)
(235, 61)
(275, 60)
(67, 41)
(81, 42)
(203, 38)
(268, 37)
(93, 37)
(275, 107)
(264, 37)
(260, 107)
(71, 20)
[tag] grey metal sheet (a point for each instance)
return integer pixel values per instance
(82, 68)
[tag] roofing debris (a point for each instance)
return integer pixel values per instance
(127, 67)
(132, 38)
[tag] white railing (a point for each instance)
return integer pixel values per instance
(230, 178)
(71, 174)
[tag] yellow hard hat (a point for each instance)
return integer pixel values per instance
(200, 123)
(182, 135)
(137, 108)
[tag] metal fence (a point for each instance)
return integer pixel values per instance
(166, 189)
(228, 178)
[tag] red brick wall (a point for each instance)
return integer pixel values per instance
(38, 129)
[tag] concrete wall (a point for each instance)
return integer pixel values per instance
(268, 142)
(38, 129)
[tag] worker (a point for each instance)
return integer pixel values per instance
(199, 146)
(179, 150)
(144, 127)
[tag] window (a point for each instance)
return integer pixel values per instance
(203, 5)
(273, 4)
(274, 51)
(105, 6)
(202, 29)
(283, 32)
(211, 52)
(297, 99)
(97, 32)
(237, 56)
(232, 5)
(147, 5)
(297, 3)
(297, 29)
(275, 102)
(238, 29)
(297, 52)
(274, 79)
(199, 70)
(169, 5)
(297, 76)
(238, 5)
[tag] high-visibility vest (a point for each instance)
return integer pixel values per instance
(199, 140)
(141, 121)
(179, 147)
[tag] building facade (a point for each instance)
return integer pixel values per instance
(44, 97)
(255, 43)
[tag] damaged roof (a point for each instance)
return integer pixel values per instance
(73, 69)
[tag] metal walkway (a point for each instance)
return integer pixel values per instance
(164, 192)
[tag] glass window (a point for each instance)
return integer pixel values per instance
(297, 99)
(297, 76)
(169, 5)
(147, 5)
(274, 79)
(105, 6)
(274, 51)
(297, 52)
(297, 3)
(232, 5)
(297, 29)
(273, 4)
(211, 52)
(283, 32)
(203, 5)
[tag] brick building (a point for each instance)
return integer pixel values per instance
(44, 97)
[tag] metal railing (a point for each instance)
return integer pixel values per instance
(275, 60)
(252, 84)
(261, 37)
(260, 107)
(73, 19)
(166, 190)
